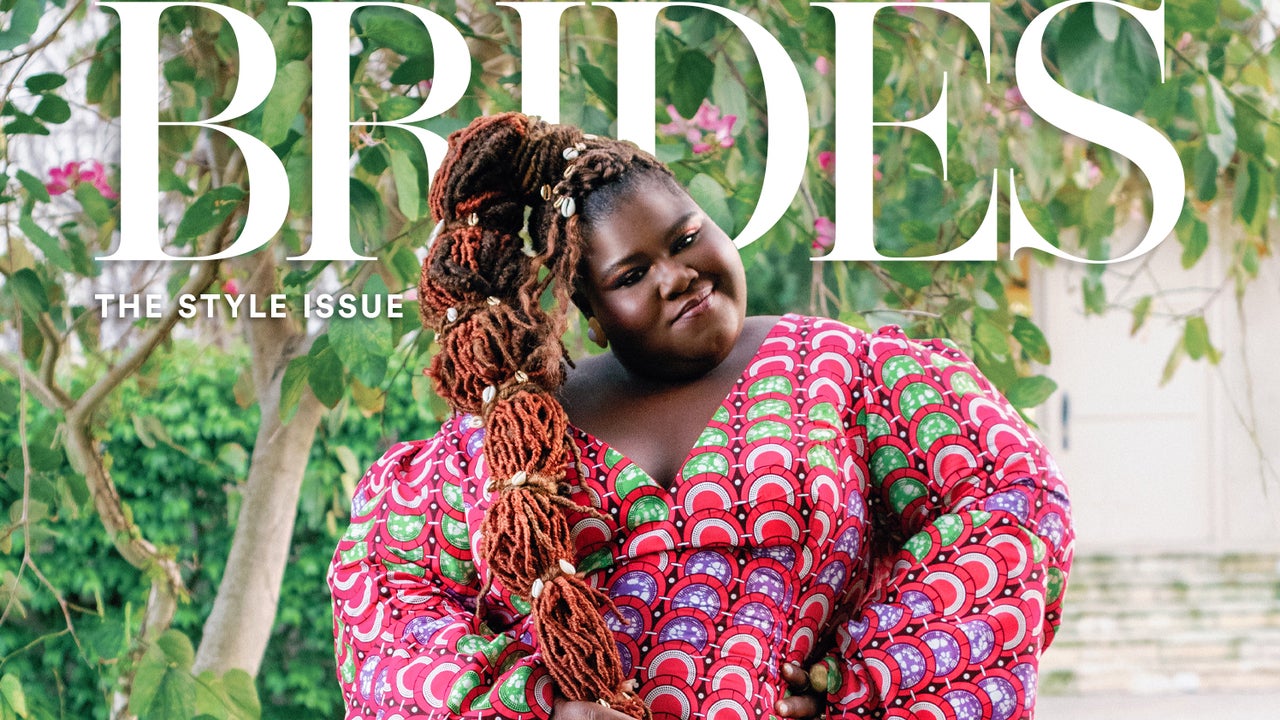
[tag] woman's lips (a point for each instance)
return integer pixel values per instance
(696, 305)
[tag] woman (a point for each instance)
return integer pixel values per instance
(862, 505)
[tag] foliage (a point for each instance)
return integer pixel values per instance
(179, 465)
(175, 422)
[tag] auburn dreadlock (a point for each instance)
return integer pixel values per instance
(501, 356)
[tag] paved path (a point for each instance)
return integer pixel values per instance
(1243, 706)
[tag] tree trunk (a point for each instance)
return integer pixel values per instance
(238, 628)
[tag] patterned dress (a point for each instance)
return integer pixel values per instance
(863, 498)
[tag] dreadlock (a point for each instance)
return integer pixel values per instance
(501, 355)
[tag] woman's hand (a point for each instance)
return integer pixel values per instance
(585, 710)
(804, 701)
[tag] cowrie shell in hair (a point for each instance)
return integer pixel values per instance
(473, 219)
(588, 136)
(567, 567)
(519, 478)
(546, 192)
(528, 249)
(451, 315)
(579, 146)
(435, 231)
(493, 301)
(490, 392)
(569, 171)
(570, 153)
(537, 588)
(521, 377)
(568, 207)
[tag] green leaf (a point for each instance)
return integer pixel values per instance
(368, 215)
(414, 70)
(292, 385)
(915, 275)
(23, 124)
(1194, 238)
(1171, 364)
(163, 688)
(1219, 122)
(364, 344)
(692, 82)
(53, 109)
(207, 212)
(393, 28)
(325, 375)
(11, 694)
(230, 697)
(1195, 338)
(1140, 312)
(600, 84)
(35, 188)
(24, 18)
(293, 84)
(30, 291)
(47, 243)
(1028, 392)
(44, 82)
(1031, 339)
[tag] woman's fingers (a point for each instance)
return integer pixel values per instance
(795, 676)
(799, 706)
(583, 710)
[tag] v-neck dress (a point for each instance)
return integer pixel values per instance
(859, 499)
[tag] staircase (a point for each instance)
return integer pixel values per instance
(1168, 623)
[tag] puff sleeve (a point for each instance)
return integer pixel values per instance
(406, 637)
(978, 526)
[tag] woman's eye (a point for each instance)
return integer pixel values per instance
(686, 240)
(631, 277)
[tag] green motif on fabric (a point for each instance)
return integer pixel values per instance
(611, 457)
(904, 492)
(766, 429)
(462, 686)
(962, 383)
(630, 479)
(896, 368)
(933, 427)
(980, 517)
(919, 545)
(822, 434)
(769, 406)
(348, 664)
(771, 384)
(712, 437)
(513, 692)
(455, 533)
(949, 528)
(707, 462)
(1054, 584)
(405, 527)
(478, 644)
(877, 426)
(886, 460)
(410, 568)
(364, 507)
(521, 605)
(650, 508)
(825, 412)
(597, 560)
(915, 396)
(411, 554)
(1037, 545)
(819, 456)
(356, 552)
(457, 570)
(722, 415)
(481, 702)
(940, 361)
(358, 531)
(453, 496)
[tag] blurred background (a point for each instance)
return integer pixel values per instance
(173, 488)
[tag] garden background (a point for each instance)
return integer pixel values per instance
(174, 488)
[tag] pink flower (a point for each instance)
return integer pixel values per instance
(825, 231)
(1184, 42)
(231, 287)
(827, 161)
(875, 162)
(1089, 174)
(74, 173)
(63, 179)
(1013, 98)
(96, 176)
(822, 65)
(706, 130)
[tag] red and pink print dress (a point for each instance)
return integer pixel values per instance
(863, 498)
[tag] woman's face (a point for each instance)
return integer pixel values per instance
(665, 283)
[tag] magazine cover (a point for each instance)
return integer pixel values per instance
(216, 327)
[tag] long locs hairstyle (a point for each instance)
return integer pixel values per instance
(501, 356)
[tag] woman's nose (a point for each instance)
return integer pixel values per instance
(674, 277)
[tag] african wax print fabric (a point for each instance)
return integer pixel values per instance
(859, 497)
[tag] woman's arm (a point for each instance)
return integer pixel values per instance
(407, 639)
(977, 522)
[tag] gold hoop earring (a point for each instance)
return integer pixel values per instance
(595, 333)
